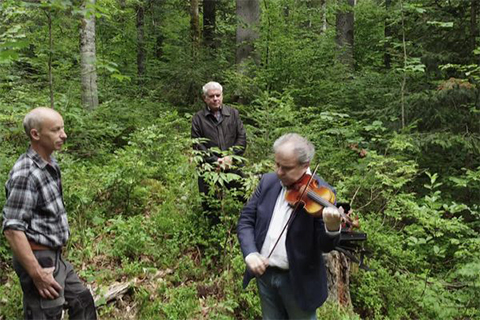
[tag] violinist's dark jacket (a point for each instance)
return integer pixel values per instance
(306, 240)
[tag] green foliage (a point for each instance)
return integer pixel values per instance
(132, 237)
(129, 174)
(271, 115)
(12, 39)
(11, 301)
(180, 303)
(421, 240)
(370, 35)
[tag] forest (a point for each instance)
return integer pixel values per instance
(387, 91)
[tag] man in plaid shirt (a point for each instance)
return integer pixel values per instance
(35, 224)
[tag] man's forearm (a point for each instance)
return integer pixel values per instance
(22, 251)
(47, 286)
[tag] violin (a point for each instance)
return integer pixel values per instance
(314, 198)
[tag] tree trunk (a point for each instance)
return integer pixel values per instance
(140, 44)
(209, 11)
(50, 53)
(344, 27)
(248, 19)
(88, 57)
(338, 266)
(473, 24)
(324, 16)
(194, 26)
(338, 273)
(388, 32)
(156, 17)
(404, 77)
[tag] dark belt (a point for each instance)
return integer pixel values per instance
(39, 247)
(278, 270)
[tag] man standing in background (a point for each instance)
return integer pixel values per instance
(36, 227)
(222, 128)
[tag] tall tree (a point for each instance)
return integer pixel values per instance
(209, 12)
(387, 59)
(194, 26)
(473, 24)
(405, 61)
(156, 9)
(248, 16)
(140, 42)
(338, 266)
(324, 15)
(344, 27)
(50, 53)
(88, 56)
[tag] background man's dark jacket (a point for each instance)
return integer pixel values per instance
(223, 134)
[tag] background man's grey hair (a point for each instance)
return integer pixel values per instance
(32, 120)
(303, 148)
(212, 85)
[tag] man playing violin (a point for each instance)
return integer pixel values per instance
(285, 255)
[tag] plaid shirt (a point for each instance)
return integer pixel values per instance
(35, 201)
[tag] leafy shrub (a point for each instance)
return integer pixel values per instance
(132, 237)
(180, 303)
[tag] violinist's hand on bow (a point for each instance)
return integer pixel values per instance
(256, 263)
(332, 217)
(349, 221)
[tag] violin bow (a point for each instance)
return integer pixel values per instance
(295, 209)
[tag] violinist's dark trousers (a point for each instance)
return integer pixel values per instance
(75, 296)
(277, 298)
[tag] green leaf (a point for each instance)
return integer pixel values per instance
(441, 24)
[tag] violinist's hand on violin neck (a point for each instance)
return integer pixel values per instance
(332, 217)
(256, 263)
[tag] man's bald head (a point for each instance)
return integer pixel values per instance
(35, 118)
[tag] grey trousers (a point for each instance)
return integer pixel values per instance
(75, 296)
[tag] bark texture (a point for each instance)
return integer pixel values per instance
(338, 271)
(88, 57)
(140, 43)
(473, 24)
(388, 33)
(344, 27)
(194, 25)
(248, 17)
(209, 12)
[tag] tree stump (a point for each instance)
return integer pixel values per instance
(338, 274)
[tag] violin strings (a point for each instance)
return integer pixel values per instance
(294, 212)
